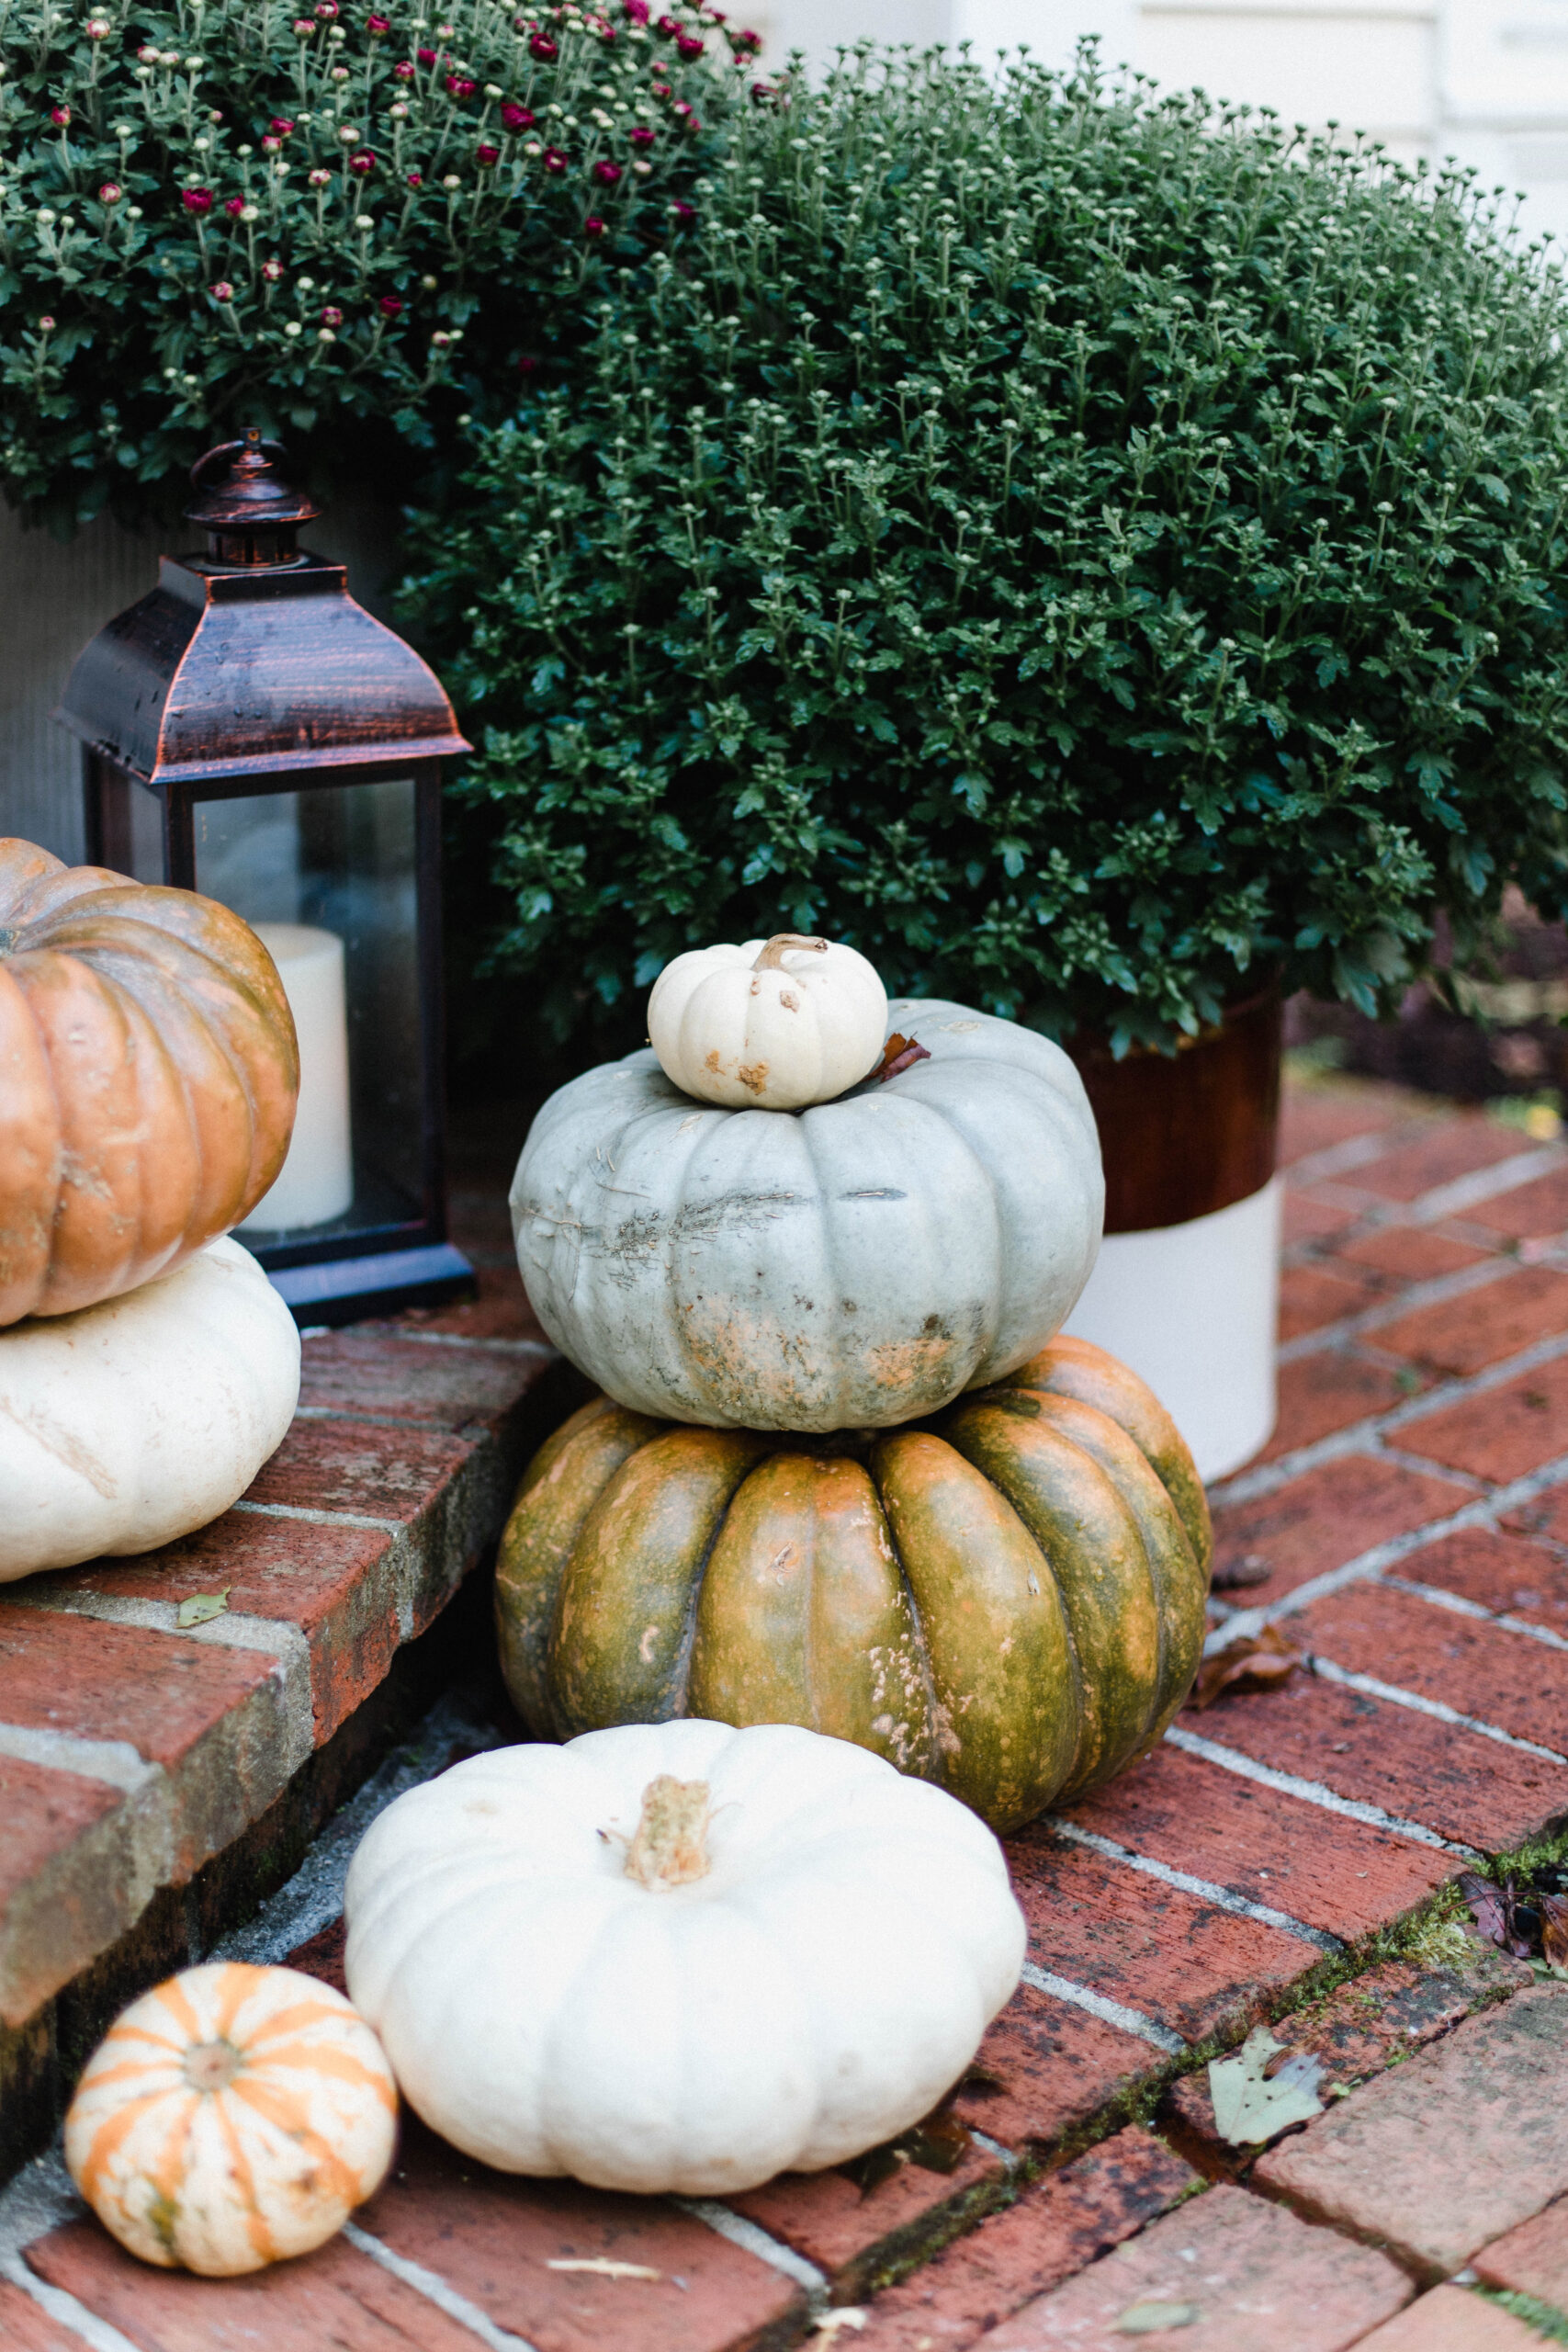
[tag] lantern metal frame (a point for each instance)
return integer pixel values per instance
(252, 671)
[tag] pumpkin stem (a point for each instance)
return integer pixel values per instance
(212, 2066)
(773, 955)
(669, 1849)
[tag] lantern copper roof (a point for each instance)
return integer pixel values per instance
(254, 658)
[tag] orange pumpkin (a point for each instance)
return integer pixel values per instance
(148, 1079)
(232, 2117)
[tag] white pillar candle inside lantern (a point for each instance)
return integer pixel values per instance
(316, 1181)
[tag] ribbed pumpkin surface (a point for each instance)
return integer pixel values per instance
(1007, 1601)
(232, 2117)
(148, 1079)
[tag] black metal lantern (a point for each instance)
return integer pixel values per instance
(253, 733)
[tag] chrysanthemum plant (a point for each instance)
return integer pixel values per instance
(1091, 548)
(225, 212)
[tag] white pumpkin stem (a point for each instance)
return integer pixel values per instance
(773, 955)
(669, 1848)
(212, 2066)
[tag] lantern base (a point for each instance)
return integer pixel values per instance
(342, 1290)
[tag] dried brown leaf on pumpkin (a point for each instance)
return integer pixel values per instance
(1264, 1661)
(899, 1054)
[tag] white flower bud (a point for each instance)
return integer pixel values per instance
(293, 327)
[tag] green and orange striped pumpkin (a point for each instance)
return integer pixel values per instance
(1007, 1601)
(232, 2117)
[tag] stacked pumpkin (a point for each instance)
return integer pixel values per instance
(843, 1472)
(148, 1079)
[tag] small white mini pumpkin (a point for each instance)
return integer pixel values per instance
(125, 1425)
(233, 2117)
(679, 1956)
(772, 1025)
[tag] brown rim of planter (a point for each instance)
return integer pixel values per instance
(1185, 1134)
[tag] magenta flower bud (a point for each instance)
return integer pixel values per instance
(516, 117)
(554, 160)
(606, 172)
(403, 70)
(486, 156)
(642, 136)
(332, 316)
(389, 307)
(197, 199)
(272, 270)
(60, 117)
(594, 226)
(110, 192)
(542, 47)
(223, 291)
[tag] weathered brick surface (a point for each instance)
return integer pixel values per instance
(1058, 2227)
(1317, 1867)
(1242, 2275)
(1046, 2068)
(1463, 1786)
(1502, 1433)
(157, 1692)
(1451, 2320)
(370, 1371)
(1545, 1515)
(1529, 1210)
(1533, 2258)
(1374, 2020)
(1483, 1326)
(75, 1873)
(1327, 1517)
(1407, 1253)
(1314, 1295)
(1502, 1573)
(1456, 1145)
(335, 2298)
(495, 2239)
(856, 2236)
(25, 2328)
(1519, 1685)
(1309, 1216)
(1314, 1119)
(360, 1468)
(1182, 1962)
(1450, 2151)
(1329, 1391)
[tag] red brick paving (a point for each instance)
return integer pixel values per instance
(1046, 2068)
(1329, 1391)
(401, 1429)
(1500, 1573)
(1502, 1433)
(25, 2328)
(1375, 1752)
(1440, 2155)
(1326, 1518)
(1058, 2227)
(335, 2298)
(1477, 1668)
(1311, 1296)
(1483, 1326)
(495, 2239)
(1239, 2275)
(1456, 1146)
(152, 1690)
(851, 2231)
(1450, 2320)
(1531, 2259)
(1532, 1209)
(1317, 1867)
(1407, 1253)
(1185, 1962)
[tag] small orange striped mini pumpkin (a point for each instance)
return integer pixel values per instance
(233, 2117)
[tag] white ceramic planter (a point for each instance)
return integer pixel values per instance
(1192, 1309)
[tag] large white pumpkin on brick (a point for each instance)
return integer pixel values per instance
(679, 1956)
(852, 1265)
(776, 1024)
(125, 1425)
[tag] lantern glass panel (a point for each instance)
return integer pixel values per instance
(328, 876)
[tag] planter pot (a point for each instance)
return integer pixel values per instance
(1185, 1287)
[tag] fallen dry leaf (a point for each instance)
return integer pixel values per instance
(899, 1054)
(1150, 2319)
(1250, 2107)
(843, 2315)
(603, 2267)
(1262, 1661)
(1553, 1909)
(1497, 1914)
(200, 1608)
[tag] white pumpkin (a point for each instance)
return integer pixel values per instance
(850, 1266)
(777, 1023)
(234, 2115)
(679, 1956)
(129, 1423)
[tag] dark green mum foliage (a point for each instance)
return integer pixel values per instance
(1080, 546)
(216, 213)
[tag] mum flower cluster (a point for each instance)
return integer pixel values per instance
(232, 216)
